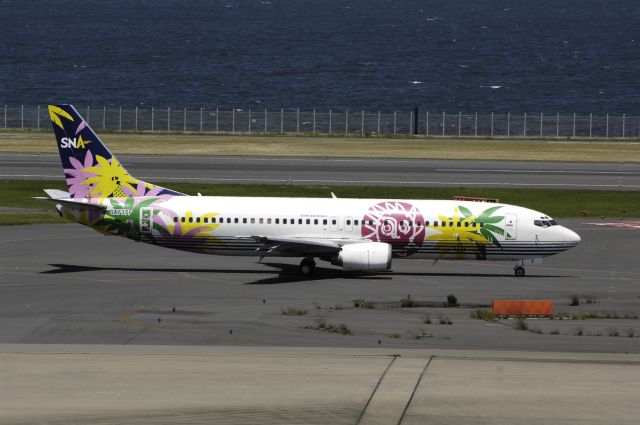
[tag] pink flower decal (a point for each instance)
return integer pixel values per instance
(397, 223)
(81, 126)
(76, 176)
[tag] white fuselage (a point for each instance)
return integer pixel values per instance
(414, 228)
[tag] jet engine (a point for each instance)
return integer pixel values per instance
(366, 256)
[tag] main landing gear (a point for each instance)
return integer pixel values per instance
(307, 266)
(518, 271)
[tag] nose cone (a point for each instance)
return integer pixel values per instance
(569, 235)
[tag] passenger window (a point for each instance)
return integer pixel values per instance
(324, 221)
(190, 219)
(308, 221)
(355, 222)
(261, 221)
(426, 223)
(198, 220)
(459, 224)
(268, 221)
(435, 224)
(466, 224)
(244, 220)
(235, 220)
(299, 221)
(481, 224)
(206, 219)
(175, 219)
(284, 221)
(182, 219)
(451, 224)
(315, 221)
(253, 220)
(277, 221)
(348, 222)
(333, 222)
(401, 222)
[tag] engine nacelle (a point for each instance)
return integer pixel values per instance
(366, 256)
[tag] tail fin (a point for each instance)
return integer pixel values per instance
(90, 169)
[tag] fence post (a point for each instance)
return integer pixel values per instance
(22, 117)
(623, 122)
(200, 120)
(104, 117)
(265, 120)
(38, 125)
(492, 124)
(168, 118)
(508, 124)
(314, 121)
(607, 131)
(346, 122)
(410, 122)
(119, 118)
(362, 124)
(87, 117)
(443, 119)
(298, 121)
(330, 121)
(558, 124)
(249, 120)
(184, 121)
(394, 122)
(590, 125)
(136, 116)
(541, 118)
(476, 125)
(217, 120)
(378, 122)
(427, 130)
(233, 120)
(152, 111)
(459, 124)
(282, 120)
(574, 124)
(5, 117)
(524, 126)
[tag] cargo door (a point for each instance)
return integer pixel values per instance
(510, 227)
(146, 217)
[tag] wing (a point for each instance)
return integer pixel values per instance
(299, 246)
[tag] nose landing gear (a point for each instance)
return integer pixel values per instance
(519, 271)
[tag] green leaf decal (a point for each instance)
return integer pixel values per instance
(128, 203)
(464, 211)
(146, 202)
(489, 236)
(488, 212)
(494, 229)
(490, 220)
(114, 203)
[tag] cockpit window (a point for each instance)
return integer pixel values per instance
(545, 223)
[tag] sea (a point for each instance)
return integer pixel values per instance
(548, 56)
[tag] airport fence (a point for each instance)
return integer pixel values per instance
(295, 121)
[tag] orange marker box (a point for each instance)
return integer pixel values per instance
(522, 307)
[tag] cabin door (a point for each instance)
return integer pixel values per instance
(510, 227)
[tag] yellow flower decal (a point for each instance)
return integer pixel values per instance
(55, 113)
(457, 234)
(110, 177)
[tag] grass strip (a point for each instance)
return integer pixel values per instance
(463, 148)
(555, 202)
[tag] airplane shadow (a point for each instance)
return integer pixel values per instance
(284, 273)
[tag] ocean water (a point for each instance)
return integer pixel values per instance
(495, 55)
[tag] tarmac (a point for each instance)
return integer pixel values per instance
(89, 334)
(349, 171)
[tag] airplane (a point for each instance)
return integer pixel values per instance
(362, 235)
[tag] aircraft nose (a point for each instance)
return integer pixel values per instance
(570, 236)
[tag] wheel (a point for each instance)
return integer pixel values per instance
(307, 266)
(519, 271)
